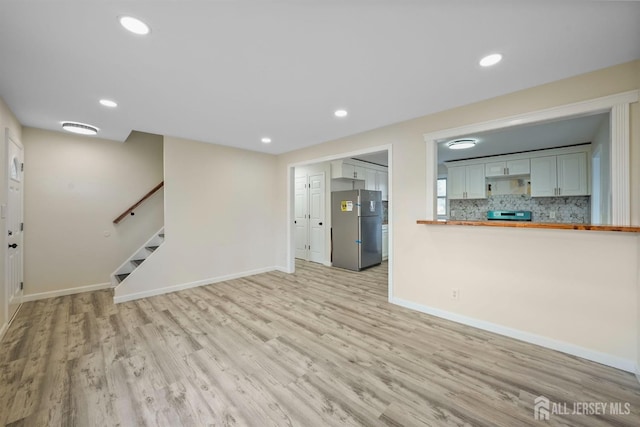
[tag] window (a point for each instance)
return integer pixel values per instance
(442, 197)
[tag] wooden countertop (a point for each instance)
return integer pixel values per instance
(526, 224)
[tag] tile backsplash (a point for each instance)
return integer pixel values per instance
(570, 209)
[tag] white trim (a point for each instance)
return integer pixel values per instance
(620, 140)
(68, 291)
(619, 165)
(180, 287)
(564, 347)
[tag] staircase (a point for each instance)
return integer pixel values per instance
(137, 258)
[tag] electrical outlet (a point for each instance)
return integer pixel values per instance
(455, 294)
(552, 215)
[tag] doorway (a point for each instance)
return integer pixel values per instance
(309, 222)
(296, 199)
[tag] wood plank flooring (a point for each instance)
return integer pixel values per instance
(321, 347)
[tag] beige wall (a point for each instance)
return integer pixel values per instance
(7, 121)
(75, 187)
(536, 283)
(219, 219)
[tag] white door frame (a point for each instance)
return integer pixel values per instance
(296, 218)
(290, 266)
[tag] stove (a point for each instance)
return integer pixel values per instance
(509, 215)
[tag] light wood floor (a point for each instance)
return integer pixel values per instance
(321, 347)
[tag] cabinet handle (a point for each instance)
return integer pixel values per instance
(559, 192)
(505, 171)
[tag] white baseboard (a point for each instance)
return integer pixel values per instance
(174, 288)
(282, 269)
(63, 292)
(585, 353)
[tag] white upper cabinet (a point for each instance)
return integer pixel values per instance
(507, 168)
(466, 182)
(341, 169)
(572, 175)
(544, 177)
(562, 175)
(369, 178)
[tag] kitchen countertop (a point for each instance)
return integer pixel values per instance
(526, 224)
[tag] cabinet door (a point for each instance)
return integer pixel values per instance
(359, 172)
(543, 176)
(476, 188)
(370, 182)
(495, 168)
(572, 175)
(456, 185)
(382, 184)
(518, 167)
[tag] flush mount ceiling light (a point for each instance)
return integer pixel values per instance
(108, 103)
(266, 140)
(461, 144)
(490, 60)
(80, 128)
(340, 113)
(134, 25)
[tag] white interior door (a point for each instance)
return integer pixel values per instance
(316, 217)
(14, 221)
(301, 207)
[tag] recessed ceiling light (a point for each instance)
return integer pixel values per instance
(81, 128)
(134, 25)
(490, 60)
(461, 144)
(266, 140)
(340, 113)
(109, 103)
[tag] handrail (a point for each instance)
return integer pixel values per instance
(138, 203)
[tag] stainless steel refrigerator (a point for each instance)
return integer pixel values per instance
(356, 223)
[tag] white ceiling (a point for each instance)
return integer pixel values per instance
(560, 133)
(230, 72)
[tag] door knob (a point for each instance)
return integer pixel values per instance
(15, 245)
(319, 223)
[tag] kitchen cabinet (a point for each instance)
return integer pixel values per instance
(507, 168)
(342, 169)
(466, 182)
(367, 178)
(562, 175)
(385, 242)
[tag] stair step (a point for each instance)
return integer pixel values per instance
(152, 248)
(137, 262)
(121, 277)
